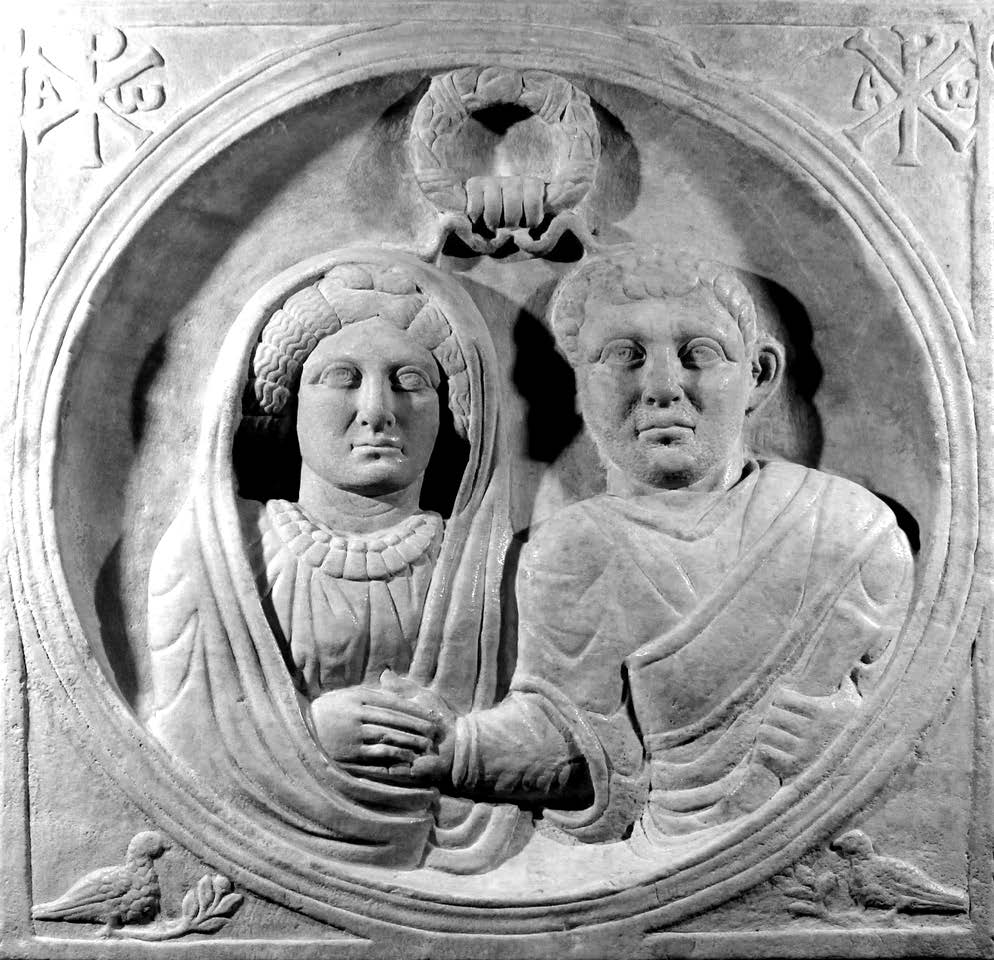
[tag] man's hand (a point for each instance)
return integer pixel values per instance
(374, 732)
(797, 728)
(436, 765)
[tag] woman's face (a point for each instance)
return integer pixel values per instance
(367, 409)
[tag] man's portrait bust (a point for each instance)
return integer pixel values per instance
(693, 638)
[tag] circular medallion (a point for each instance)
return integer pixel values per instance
(60, 446)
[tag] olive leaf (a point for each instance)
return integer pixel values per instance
(189, 907)
(228, 904)
(805, 909)
(798, 892)
(205, 893)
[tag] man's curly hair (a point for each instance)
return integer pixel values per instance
(351, 293)
(626, 275)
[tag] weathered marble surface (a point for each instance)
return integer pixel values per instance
(499, 481)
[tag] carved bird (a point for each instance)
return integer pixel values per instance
(892, 884)
(114, 896)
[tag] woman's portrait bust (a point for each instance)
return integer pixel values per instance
(344, 571)
(358, 618)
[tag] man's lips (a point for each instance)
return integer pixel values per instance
(382, 444)
(664, 425)
(664, 430)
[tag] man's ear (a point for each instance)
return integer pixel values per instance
(767, 372)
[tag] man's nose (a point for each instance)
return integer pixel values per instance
(661, 379)
(375, 404)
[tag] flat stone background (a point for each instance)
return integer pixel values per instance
(330, 172)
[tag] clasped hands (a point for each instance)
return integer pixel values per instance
(509, 201)
(398, 731)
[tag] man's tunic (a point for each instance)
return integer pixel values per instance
(655, 632)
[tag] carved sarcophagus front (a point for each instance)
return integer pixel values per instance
(499, 482)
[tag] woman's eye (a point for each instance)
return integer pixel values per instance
(340, 376)
(701, 354)
(411, 379)
(621, 353)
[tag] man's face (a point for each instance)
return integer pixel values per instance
(367, 410)
(664, 386)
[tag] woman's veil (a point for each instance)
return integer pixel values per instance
(225, 702)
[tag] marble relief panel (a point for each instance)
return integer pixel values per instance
(500, 485)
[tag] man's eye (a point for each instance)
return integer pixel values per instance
(411, 379)
(701, 353)
(340, 376)
(621, 353)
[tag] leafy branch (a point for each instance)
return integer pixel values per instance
(824, 895)
(807, 893)
(206, 908)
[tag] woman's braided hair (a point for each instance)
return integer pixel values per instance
(350, 293)
(626, 275)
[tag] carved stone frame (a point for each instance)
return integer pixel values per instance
(953, 584)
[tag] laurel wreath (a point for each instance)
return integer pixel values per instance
(451, 100)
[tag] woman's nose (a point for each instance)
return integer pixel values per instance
(375, 404)
(661, 379)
